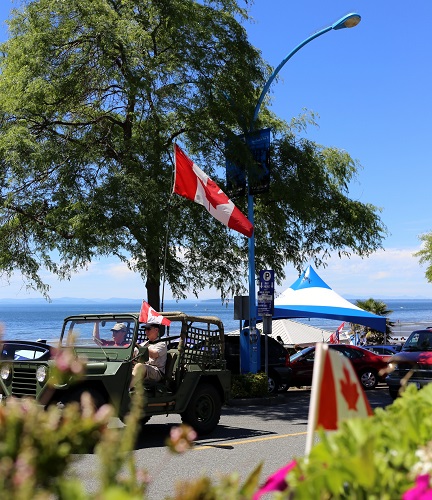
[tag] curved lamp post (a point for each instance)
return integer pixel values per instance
(348, 21)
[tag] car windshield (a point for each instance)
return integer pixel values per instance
(95, 332)
(22, 351)
(419, 341)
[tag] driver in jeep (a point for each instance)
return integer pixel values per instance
(154, 368)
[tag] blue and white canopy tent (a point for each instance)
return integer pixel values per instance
(311, 297)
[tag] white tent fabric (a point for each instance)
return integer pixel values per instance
(296, 333)
(311, 297)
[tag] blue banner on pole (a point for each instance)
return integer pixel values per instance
(256, 175)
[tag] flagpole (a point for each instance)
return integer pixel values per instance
(348, 21)
(320, 351)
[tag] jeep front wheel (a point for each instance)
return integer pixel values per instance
(204, 409)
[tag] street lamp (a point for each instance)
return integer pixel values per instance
(348, 21)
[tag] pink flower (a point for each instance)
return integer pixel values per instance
(276, 482)
(421, 490)
(181, 438)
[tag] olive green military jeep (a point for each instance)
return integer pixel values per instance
(195, 385)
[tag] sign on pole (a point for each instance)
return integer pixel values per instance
(266, 292)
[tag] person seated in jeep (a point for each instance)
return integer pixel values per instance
(118, 331)
(154, 368)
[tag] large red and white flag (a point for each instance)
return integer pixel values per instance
(192, 183)
(149, 315)
(336, 393)
(334, 337)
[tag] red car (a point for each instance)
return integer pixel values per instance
(366, 364)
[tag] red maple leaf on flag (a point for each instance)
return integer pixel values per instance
(349, 390)
(192, 183)
(213, 192)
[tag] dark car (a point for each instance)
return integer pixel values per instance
(384, 349)
(366, 364)
(278, 360)
(413, 364)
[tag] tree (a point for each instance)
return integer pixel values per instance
(380, 308)
(425, 254)
(92, 97)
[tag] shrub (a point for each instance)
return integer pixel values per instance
(36, 446)
(376, 457)
(249, 385)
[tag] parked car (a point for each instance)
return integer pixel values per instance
(278, 360)
(384, 349)
(366, 364)
(413, 364)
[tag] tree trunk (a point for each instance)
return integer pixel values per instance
(153, 293)
(153, 276)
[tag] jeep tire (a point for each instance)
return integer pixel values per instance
(204, 409)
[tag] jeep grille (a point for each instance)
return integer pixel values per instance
(24, 381)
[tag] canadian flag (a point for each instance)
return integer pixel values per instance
(334, 337)
(336, 393)
(149, 315)
(192, 183)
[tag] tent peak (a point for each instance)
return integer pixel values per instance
(311, 297)
(309, 279)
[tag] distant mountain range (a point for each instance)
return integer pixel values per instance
(120, 300)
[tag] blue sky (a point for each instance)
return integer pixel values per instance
(370, 86)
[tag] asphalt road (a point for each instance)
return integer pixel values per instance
(249, 433)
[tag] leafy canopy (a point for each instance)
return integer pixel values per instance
(92, 97)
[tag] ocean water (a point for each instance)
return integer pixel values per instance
(33, 319)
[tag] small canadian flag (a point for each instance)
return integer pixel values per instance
(336, 393)
(192, 183)
(149, 315)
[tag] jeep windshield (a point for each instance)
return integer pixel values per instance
(420, 340)
(116, 331)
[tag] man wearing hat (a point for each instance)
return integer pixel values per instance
(118, 331)
(154, 368)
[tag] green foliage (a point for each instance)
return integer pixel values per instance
(228, 488)
(425, 254)
(375, 307)
(37, 446)
(379, 457)
(249, 385)
(368, 458)
(92, 97)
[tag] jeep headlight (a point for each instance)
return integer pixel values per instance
(5, 372)
(41, 373)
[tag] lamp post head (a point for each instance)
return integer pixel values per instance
(348, 21)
